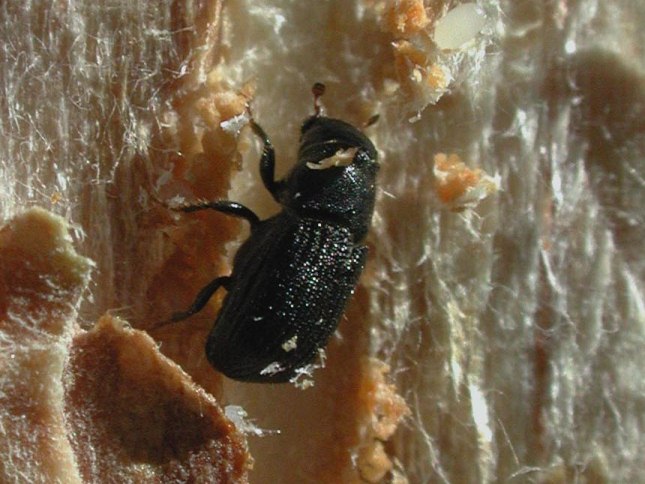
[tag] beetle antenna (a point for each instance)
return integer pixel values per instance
(318, 90)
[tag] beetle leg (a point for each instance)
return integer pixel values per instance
(202, 298)
(267, 163)
(225, 206)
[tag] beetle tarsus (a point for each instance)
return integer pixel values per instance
(202, 299)
(372, 121)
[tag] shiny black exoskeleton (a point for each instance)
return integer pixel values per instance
(293, 276)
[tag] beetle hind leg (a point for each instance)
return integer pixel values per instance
(202, 298)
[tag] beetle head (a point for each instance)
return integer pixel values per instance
(335, 175)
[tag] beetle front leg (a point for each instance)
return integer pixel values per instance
(202, 298)
(267, 163)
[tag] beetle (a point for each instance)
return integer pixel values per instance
(293, 276)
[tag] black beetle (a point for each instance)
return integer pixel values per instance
(294, 274)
